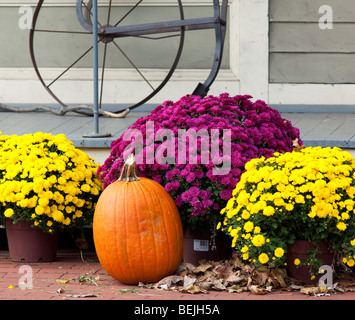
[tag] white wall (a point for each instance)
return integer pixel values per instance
(21, 85)
(248, 73)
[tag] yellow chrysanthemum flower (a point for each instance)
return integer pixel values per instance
(258, 240)
(263, 258)
(310, 187)
(38, 171)
(9, 213)
(341, 226)
(249, 226)
(297, 262)
(279, 252)
(351, 262)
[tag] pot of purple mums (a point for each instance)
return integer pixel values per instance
(197, 149)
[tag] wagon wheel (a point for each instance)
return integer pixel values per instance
(61, 41)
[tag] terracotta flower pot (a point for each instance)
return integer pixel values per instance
(197, 246)
(30, 244)
(298, 250)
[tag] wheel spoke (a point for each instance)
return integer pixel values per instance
(72, 65)
(103, 74)
(109, 14)
(133, 65)
(125, 16)
(158, 38)
(63, 31)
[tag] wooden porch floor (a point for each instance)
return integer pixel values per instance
(317, 129)
(74, 126)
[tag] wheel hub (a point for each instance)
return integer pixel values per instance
(103, 37)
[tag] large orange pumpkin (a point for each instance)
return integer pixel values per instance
(137, 229)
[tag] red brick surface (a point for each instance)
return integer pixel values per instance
(50, 282)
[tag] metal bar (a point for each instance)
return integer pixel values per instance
(162, 27)
(96, 67)
(96, 133)
(224, 10)
(156, 27)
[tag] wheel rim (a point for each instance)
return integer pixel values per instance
(106, 42)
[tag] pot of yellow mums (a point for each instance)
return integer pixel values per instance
(46, 185)
(304, 197)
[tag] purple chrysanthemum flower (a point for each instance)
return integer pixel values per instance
(255, 130)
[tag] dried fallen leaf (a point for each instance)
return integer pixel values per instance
(279, 275)
(98, 278)
(188, 281)
(263, 268)
(337, 288)
(207, 276)
(185, 266)
(346, 283)
(296, 145)
(310, 290)
(145, 285)
(224, 271)
(60, 290)
(231, 275)
(260, 277)
(238, 263)
(193, 289)
(295, 287)
(206, 285)
(217, 283)
(235, 288)
(234, 278)
(247, 270)
(202, 268)
(168, 281)
(163, 287)
(256, 289)
(89, 295)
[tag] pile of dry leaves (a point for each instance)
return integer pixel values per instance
(235, 276)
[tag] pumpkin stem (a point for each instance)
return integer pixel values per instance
(128, 173)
